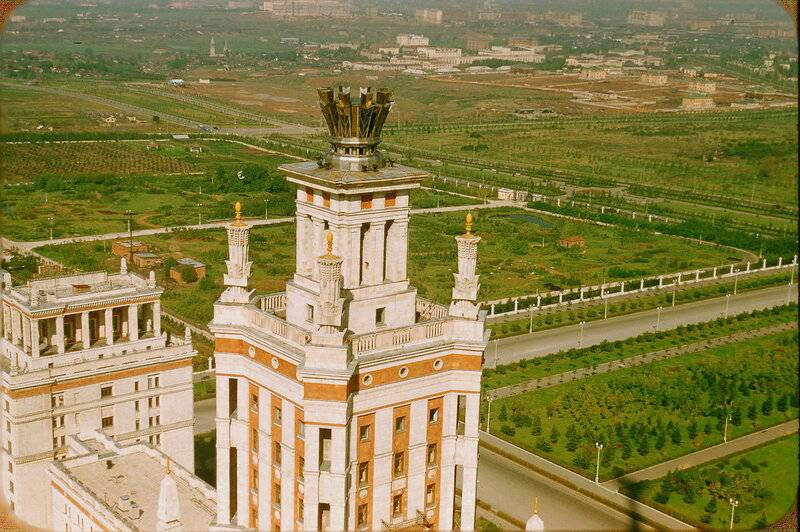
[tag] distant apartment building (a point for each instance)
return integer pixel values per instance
(490, 15)
(593, 75)
(654, 80)
(703, 87)
(81, 353)
(651, 19)
(477, 42)
(308, 8)
(522, 55)
(522, 42)
(411, 39)
(428, 16)
(697, 102)
(440, 56)
(561, 18)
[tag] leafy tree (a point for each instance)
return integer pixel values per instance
(711, 507)
(736, 416)
(751, 413)
(626, 449)
(767, 405)
(707, 428)
(508, 430)
(644, 447)
(554, 435)
(503, 413)
(783, 404)
(536, 425)
(691, 430)
(676, 436)
(661, 440)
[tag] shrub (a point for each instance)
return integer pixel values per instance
(508, 430)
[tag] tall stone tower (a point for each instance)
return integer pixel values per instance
(347, 402)
(212, 48)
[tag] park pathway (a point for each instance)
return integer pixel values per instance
(706, 455)
(613, 365)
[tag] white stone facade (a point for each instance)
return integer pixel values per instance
(348, 402)
(82, 353)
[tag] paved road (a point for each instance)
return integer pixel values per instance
(645, 358)
(204, 413)
(510, 488)
(706, 455)
(538, 344)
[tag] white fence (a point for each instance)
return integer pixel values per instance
(609, 290)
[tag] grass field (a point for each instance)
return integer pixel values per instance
(508, 255)
(106, 179)
(755, 158)
(763, 480)
(527, 370)
(658, 411)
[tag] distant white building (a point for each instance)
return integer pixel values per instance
(646, 18)
(411, 39)
(440, 56)
(507, 53)
(654, 80)
(704, 87)
(698, 102)
(428, 16)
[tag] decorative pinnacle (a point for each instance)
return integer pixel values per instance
(167, 468)
(536, 506)
(469, 223)
(238, 220)
(329, 240)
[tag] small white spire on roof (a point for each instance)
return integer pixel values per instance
(535, 522)
(169, 511)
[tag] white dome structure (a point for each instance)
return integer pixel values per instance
(535, 522)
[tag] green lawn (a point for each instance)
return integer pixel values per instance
(764, 481)
(510, 261)
(756, 157)
(526, 370)
(658, 411)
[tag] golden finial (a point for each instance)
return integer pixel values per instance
(536, 506)
(469, 223)
(329, 240)
(238, 219)
(167, 468)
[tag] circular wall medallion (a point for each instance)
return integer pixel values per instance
(363, 494)
(251, 351)
(275, 363)
(366, 380)
(438, 364)
(403, 372)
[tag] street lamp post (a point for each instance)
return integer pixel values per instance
(495, 353)
(735, 284)
(658, 319)
(674, 289)
(50, 219)
(599, 447)
(727, 304)
(605, 311)
(530, 324)
(734, 504)
(725, 431)
(580, 339)
(199, 214)
(489, 413)
(266, 203)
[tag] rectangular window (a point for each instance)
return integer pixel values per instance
(7, 406)
(276, 490)
(433, 415)
(326, 199)
(309, 195)
(153, 381)
(432, 454)
(461, 414)
(10, 467)
(276, 453)
(310, 313)
(325, 449)
(57, 399)
(380, 316)
(430, 495)
(301, 429)
(362, 516)
(398, 467)
(363, 433)
(138, 424)
(391, 199)
(363, 474)
(301, 465)
(105, 391)
(233, 396)
(366, 201)
(108, 422)
(136, 406)
(301, 508)
(397, 505)
(254, 402)
(277, 416)
(254, 443)
(135, 386)
(400, 424)
(254, 475)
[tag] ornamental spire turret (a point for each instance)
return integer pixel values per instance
(238, 263)
(466, 281)
(169, 510)
(535, 522)
(331, 302)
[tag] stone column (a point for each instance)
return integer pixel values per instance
(679, 278)
(352, 264)
(317, 246)
(560, 298)
(660, 281)
(581, 293)
(16, 327)
(538, 301)
(731, 271)
(157, 318)
(60, 334)
(26, 333)
(303, 241)
(748, 266)
(378, 237)
(622, 287)
(86, 335)
(763, 264)
(133, 322)
(714, 273)
(780, 262)
(35, 338)
(697, 275)
(109, 326)
(516, 305)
